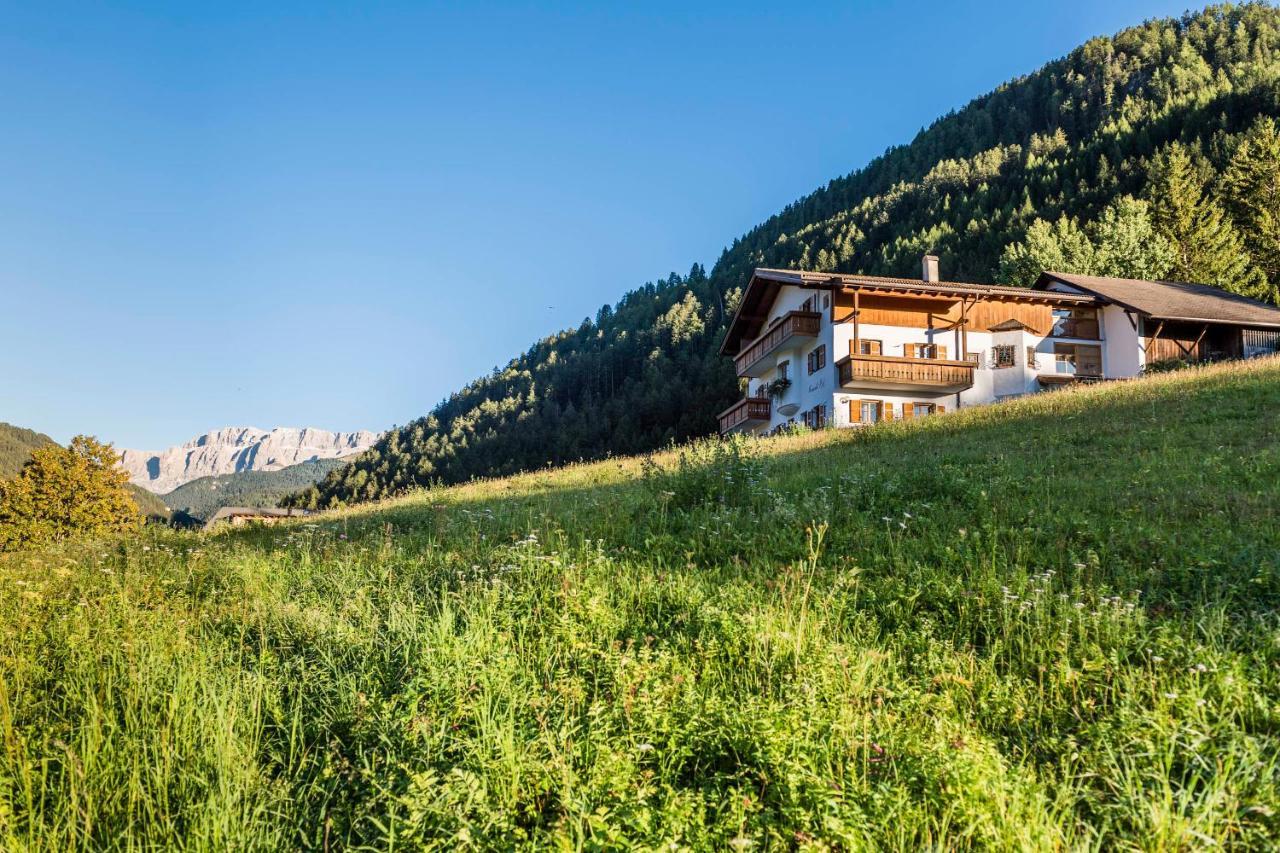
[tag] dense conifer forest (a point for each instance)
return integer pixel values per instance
(1150, 153)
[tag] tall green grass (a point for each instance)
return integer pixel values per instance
(1045, 625)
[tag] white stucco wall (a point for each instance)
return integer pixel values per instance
(1122, 357)
(806, 391)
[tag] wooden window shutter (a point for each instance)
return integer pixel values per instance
(909, 350)
(855, 411)
(908, 410)
(939, 408)
(887, 412)
(942, 351)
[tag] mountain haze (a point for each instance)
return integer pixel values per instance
(1065, 141)
(233, 449)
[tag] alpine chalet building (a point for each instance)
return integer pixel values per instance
(847, 350)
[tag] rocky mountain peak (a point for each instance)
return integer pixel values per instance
(238, 448)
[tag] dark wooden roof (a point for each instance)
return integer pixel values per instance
(229, 512)
(1171, 300)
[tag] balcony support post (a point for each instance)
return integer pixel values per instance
(857, 348)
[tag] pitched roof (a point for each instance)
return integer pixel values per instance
(1171, 300)
(942, 288)
(228, 512)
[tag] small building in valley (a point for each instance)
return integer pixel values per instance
(847, 350)
(238, 516)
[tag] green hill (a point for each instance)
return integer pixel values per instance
(1047, 624)
(16, 444)
(1067, 140)
(203, 497)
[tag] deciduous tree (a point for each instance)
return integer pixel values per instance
(64, 492)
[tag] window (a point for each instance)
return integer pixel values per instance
(973, 357)
(867, 347)
(784, 370)
(924, 350)
(1003, 355)
(865, 411)
(1031, 357)
(920, 410)
(826, 300)
(916, 410)
(816, 418)
(818, 358)
(1077, 359)
(1075, 323)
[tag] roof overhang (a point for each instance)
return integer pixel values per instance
(762, 289)
(1046, 278)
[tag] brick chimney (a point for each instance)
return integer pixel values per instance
(930, 264)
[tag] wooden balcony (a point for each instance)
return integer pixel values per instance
(748, 412)
(891, 372)
(761, 355)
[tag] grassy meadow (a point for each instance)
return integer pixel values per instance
(1045, 625)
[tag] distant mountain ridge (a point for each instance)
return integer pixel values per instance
(201, 498)
(235, 449)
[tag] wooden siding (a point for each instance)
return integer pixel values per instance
(985, 314)
(1190, 341)
(914, 313)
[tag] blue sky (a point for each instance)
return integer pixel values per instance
(334, 215)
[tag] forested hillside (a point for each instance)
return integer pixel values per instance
(201, 498)
(1143, 153)
(16, 444)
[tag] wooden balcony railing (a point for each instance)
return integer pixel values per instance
(888, 371)
(752, 361)
(745, 411)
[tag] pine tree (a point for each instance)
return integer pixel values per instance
(1126, 243)
(1207, 248)
(1251, 192)
(1059, 246)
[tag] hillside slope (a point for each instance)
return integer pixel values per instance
(203, 497)
(1068, 139)
(1048, 624)
(16, 444)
